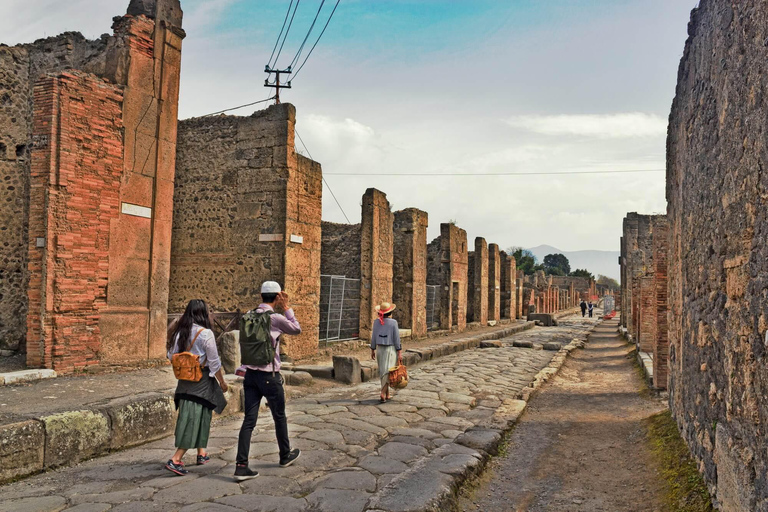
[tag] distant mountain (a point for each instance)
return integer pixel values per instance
(597, 262)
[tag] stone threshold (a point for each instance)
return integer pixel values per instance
(350, 370)
(645, 360)
(434, 482)
(22, 376)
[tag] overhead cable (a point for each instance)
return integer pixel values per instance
(326, 183)
(241, 106)
(286, 34)
(312, 26)
(544, 173)
(318, 40)
(277, 41)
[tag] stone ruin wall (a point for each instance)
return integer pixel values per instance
(376, 256)
(718, 272)
(409, 269)
(447, 266)
(247, 209)
(508, 286)
(494, 283)
(340, 254)
(477, 283)
(98, 296)
(20, 68)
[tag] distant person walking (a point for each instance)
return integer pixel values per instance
(583, 306)
(591, 308)
(385, 345)
(265, 381)
(195, 400)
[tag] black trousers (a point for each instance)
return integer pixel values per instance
(270, 386)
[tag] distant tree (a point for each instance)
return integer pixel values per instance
(608, 281)
(557, 264)
(581, 272)
(524, 258)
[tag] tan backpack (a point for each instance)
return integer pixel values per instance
(186, 365)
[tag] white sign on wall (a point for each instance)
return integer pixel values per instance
(137, 211)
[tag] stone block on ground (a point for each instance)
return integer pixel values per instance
(418, 489)
(74, 436)
(522, 343)
(22, 448)
(228, 345)
(552, 345)
(298, 379)
(544, 319)
(491, 344)
(27, 376)
(346, 369)
(137, 420)
(480, 439)
(316, 371)
(411, 358)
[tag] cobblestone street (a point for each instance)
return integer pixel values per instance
(352, 446)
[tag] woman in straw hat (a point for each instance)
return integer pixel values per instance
(385, 345)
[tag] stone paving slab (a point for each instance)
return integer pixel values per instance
(355, 450)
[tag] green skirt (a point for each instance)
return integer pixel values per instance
(193, 425)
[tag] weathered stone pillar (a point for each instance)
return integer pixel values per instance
(494, 283)
(409, 287)
(376, 257)
(508, 287)
(660, 272)
(520, 298)
(477, 299)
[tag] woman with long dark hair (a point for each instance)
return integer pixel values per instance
(195, 401)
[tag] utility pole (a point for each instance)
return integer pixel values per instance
(277, 85)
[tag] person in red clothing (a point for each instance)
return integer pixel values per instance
(266, 381)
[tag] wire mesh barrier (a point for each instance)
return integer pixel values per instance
(339, 309)
(433, 307)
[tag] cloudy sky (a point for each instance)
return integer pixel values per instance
(397, 88)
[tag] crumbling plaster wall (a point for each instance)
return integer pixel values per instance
(717, 191)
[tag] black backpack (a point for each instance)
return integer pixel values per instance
(256, 348)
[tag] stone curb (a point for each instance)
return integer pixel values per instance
(433, 483)
(65, 438)
(21, 376)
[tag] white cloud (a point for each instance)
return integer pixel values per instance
(603, 126)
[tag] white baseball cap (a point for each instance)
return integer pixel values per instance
(270, 287)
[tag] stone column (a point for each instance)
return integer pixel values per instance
(409, 287)
(494, 283)
(376, 257)
(479, 283)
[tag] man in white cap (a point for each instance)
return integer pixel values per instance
(266, 381)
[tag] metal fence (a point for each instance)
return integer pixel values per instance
(339, 309)
(433, 307)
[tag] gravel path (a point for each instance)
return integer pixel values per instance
(352, 445)
(581, 444)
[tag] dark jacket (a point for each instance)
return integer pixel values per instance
(206, 392)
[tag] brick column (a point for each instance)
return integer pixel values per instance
(409, 288)
(479, 283)
(661, 344)
(647, 314)
(508, 290)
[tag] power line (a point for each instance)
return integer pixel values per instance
(298, 53)
(277, 41)
(286, 34)
(241, 106)
(326, 183)
(493, 174)
(318, 40)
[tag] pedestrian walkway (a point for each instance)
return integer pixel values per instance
(352, 446)
(581, 444)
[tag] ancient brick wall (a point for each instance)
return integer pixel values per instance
(647, 314)
(340, 254)
(477, 283)
(508, 285)
(376, 256)
(717, 190)
(20, 67)
(143, 59)
(247, 210)
(494, 283)
(77, 164)
(661, 342)
(409, 270)
(520, 299)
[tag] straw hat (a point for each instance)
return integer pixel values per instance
(384, 308)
